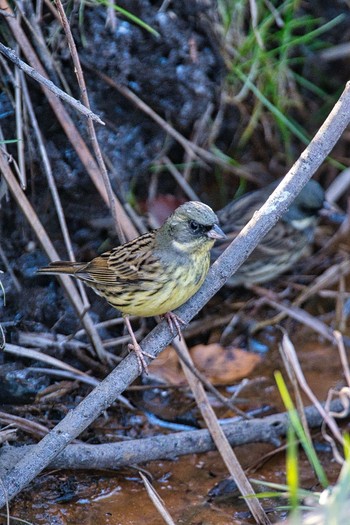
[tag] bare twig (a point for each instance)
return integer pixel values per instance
(11, 55)
(328, 278)
(180, 179)
(19, 130)
(288, 365)
(83, 90)
(34, 354)
(220, 440)
(52, 183)
(294, 362)
(27, 426)
(47, 245)
(157, 501)
(343, 357)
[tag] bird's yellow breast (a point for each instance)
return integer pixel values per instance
(163, 293)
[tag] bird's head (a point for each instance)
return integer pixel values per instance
(304, 211)
(192, 227)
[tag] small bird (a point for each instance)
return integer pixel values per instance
(283, 245)
(154, 273)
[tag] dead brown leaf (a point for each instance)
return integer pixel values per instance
(220, 365)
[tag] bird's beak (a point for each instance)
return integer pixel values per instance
(332, 212)
(216, 233)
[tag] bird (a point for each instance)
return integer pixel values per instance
(154, 273)
(283, 245)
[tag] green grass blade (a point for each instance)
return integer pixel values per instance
(299, 430)
(131, 17)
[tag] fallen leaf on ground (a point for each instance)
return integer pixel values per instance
(220, 365)
(223, 365)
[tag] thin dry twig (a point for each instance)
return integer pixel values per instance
(157, 500)
(24, 424)
(219, 438)
(343, 357)
(11, 55)
(180, 179)
(327, 279)
(93, 137)
(19, 130)
(285, 353)
(52, 184)
(39, 356)
(48, 247)
(294, 362)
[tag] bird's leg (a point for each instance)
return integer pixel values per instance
(174, 321)
(134, 345)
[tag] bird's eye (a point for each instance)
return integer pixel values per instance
(194, 226)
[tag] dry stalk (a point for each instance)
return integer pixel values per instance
(93, 137)
(48, 247)
(219, 438)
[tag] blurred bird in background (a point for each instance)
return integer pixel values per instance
(284, 244)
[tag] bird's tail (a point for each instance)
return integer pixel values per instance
(67, 267)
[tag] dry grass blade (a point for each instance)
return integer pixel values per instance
(343, 357)
(180, 179)
(51, 183)
(91, 381)
(24, 424)
(294, 362)
(47, 245)
(8, 433)
(327, 279)
(67, 124)
(220, 439)
(343, 396)
(330, 277)
(284, 352)
(92, 132)
(19, 130)
(39, 356)
(157, 501)
(49, 340)
(305, 318)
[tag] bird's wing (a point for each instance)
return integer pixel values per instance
(132, 262)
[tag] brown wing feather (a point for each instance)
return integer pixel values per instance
(132, 262)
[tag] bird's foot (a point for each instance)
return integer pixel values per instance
(174, 322)
(143, 367)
